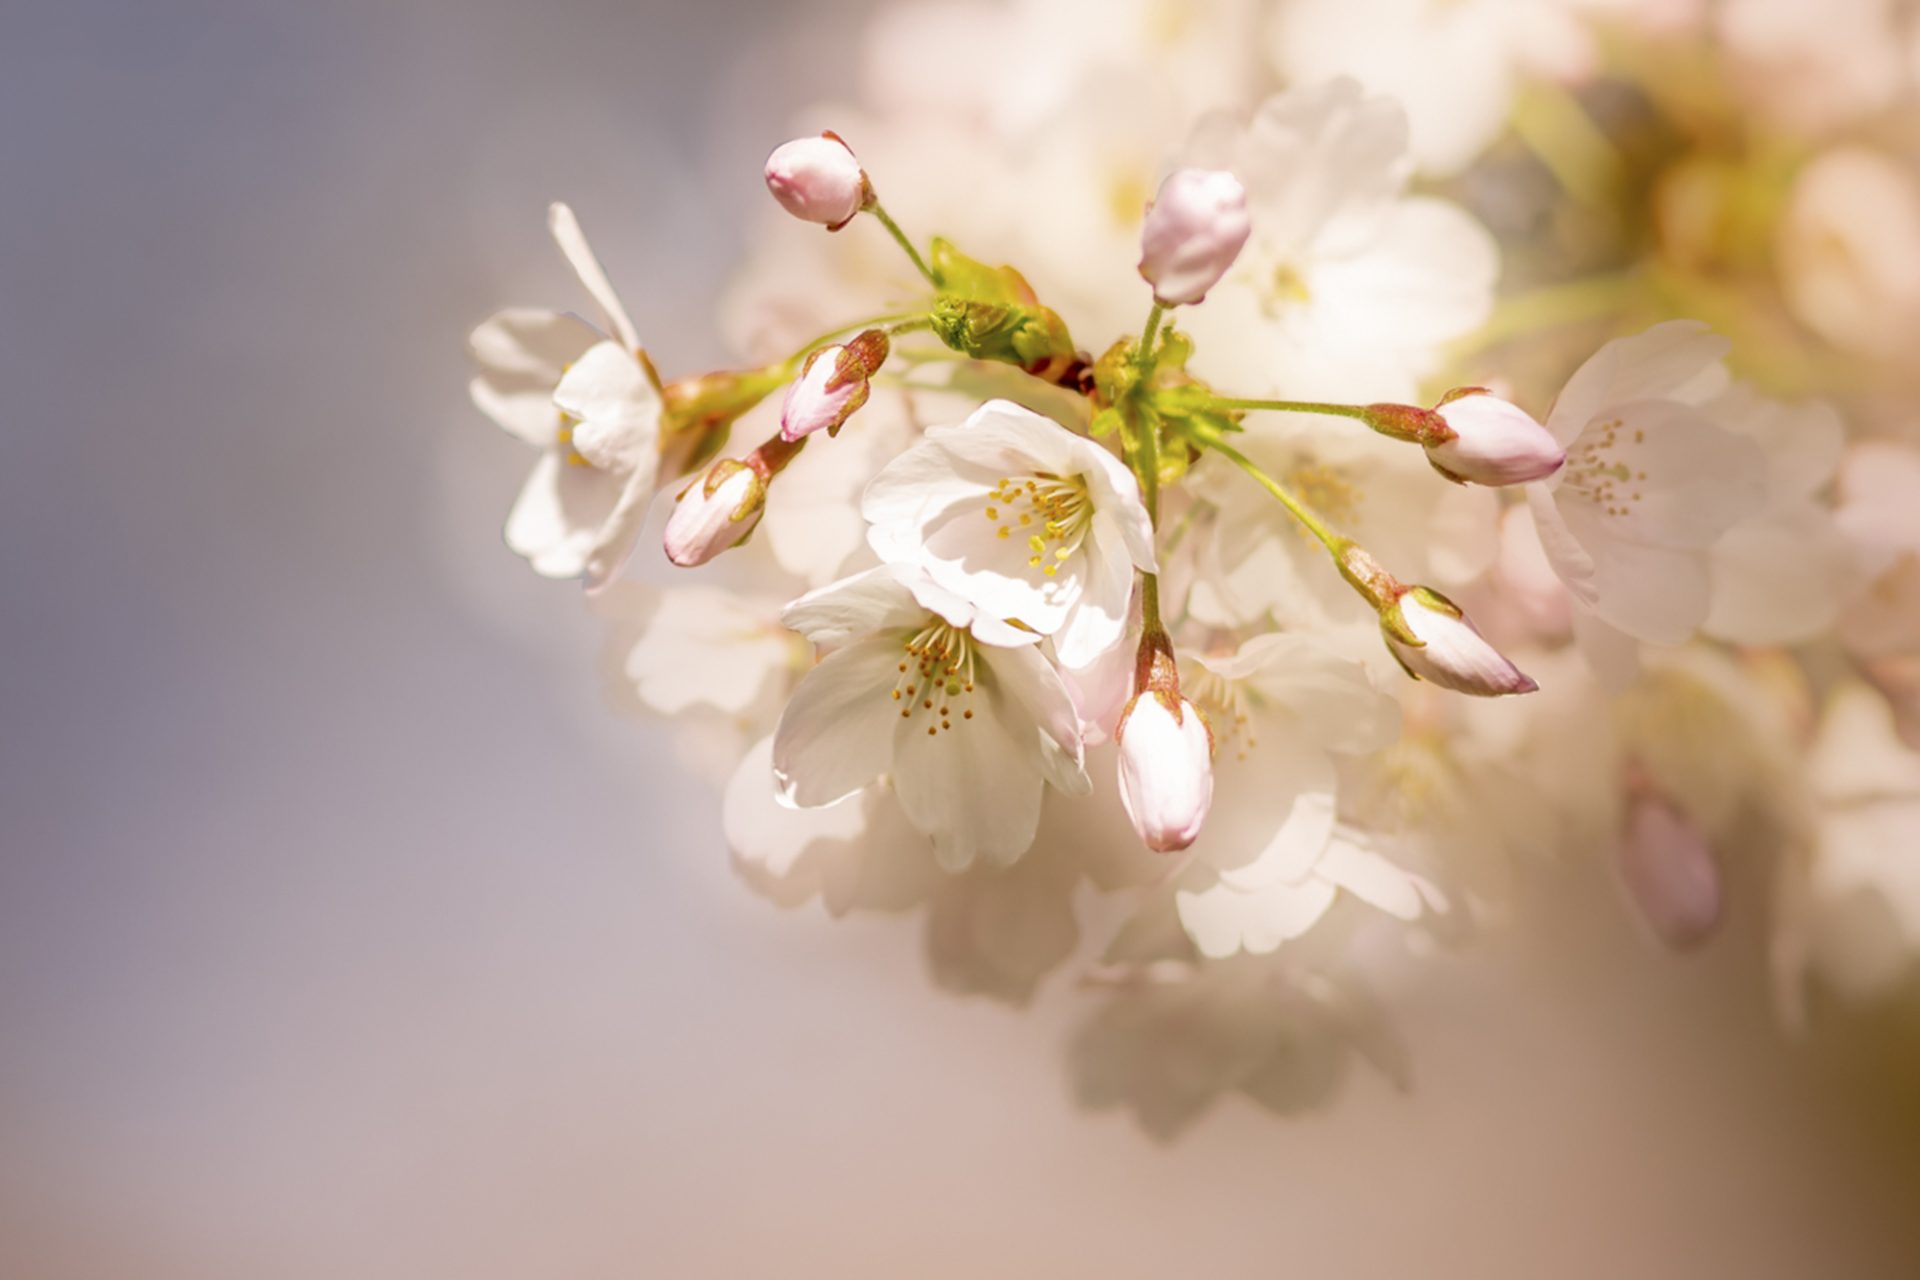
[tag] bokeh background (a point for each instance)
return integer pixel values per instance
(345, 932)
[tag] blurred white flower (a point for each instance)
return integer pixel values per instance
(1781, 575)
(1271, 861)
(1027, 520)
(1879, 514)
(1848, 249)
(1650, 485)
(1812, 67)
(1455, 64)
(958, 708)
(590, 405)
(1347, 287)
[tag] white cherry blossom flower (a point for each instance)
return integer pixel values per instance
(1027, 520)
(589, 403)
(1347, 288)
(1271, 859)
(958, 708)
(1651, 482)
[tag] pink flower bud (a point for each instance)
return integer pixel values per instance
(1166, 769)
(715, 512)
(1670, 874)
(1452, 652)
(1195, 228)
(1494, 442)
(818, 180)
(832, 384)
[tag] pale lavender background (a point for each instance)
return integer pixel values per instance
(344, 934)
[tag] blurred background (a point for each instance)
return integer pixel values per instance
(345, 932)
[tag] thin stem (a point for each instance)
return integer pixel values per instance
(1555, 126)
(869, 323)
(893, 229)
(1290, 406)
(1333, 542)
(1144, 356)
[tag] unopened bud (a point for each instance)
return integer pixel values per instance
(1166, 769)
(817, 179)
(1670, 874)
(1493, 442)
(717, 511)
(833, 383)
(1435, 641)
(1194, 230)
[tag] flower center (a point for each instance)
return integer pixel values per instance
(937, 672)
(1327, 493)
(1227, 705)
(563, 436)
(1593, 472)
(1052, 514)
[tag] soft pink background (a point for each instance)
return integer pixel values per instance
(343, 933)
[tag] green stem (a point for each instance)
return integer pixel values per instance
(1557, 129)
(893, 229)
(869, 323)
(1290, 406)
(1144, 356)
(1333, 542)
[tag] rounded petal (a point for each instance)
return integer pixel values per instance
(617, 409)
(1677, 360)
(555, 522)
(975, 789)
(522, 353)
(837, 733)
(876, 600)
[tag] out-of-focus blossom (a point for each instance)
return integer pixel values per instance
(818, 180)
(1021, 516)
(1849, 250)
(588, 402)
(1781, 575)
(956, 707)
(1166, 769)
(1879, 513)
(1813, 67)
(1347, 286)
(1194, 229)
(1852, 908)
(1455, 64)
(1270, 861)
(1650, 485)
(1670, 873)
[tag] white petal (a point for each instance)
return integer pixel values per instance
(837, 732)
(619, 533)
(1041, 696)
(876, 600)
(1780, 579)
(555, 522)
(769, 835)
(617, 408)
(706, 645)
(1328, 695)
(1427, 278)
(1376, 880)
(1656, 594)
(1679, 360)
(1097, 620)
(1222, 920)
(975, 789)
(522, 353)
(566, 232)
(1010, 440)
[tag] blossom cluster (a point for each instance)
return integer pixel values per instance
(1215, 620)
